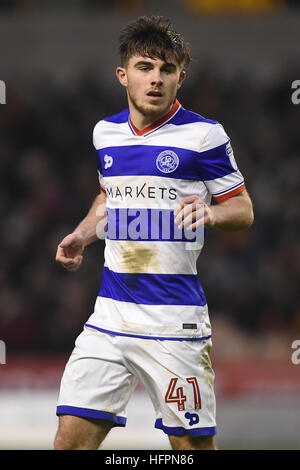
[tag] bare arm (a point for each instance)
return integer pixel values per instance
(235, 213)
(91, 228)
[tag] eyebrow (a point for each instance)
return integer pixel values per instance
(145, 62)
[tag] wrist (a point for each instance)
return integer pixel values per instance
(211, 217)
(80, 237)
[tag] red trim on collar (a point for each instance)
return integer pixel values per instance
(158, 123)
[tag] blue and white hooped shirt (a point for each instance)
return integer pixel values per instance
(150, 287)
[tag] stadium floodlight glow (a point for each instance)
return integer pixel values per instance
(2, 352)
(2, 92)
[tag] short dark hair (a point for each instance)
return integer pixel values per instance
(153, 37)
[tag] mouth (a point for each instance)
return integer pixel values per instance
(155, 94)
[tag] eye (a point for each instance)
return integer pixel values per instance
(168, 70)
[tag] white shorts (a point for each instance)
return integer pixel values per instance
(104, 369)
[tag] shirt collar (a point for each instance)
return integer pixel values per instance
(155, 125)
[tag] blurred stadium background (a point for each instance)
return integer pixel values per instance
(57, 59)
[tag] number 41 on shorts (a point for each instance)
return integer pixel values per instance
(175, 395)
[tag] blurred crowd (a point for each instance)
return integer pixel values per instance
(185, 6)
(49, 179)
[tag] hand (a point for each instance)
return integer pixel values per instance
(69, 252)
(192, 212)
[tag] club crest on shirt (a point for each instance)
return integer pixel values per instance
(108, 161)
(167, 161)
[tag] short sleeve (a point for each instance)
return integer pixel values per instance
(100, 177)
(217, 165)
(96, 146)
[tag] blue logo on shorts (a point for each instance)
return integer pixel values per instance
(167, 161)
(193, 417)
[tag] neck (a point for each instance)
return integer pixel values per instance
(158, 122)
(141, 121)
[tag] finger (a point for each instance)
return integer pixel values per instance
(184, 201)
(187, 218)
(189, 212)
(192, 217)
(78, 260)
(61, 256)
(72, 250)
(71, 268)
(204, 220)
(74, 264)
(69, 263)
(187, 209)
(196, 224)
(69, 241)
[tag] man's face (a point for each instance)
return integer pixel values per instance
(151, 84)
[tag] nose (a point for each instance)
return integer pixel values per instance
(156, 78)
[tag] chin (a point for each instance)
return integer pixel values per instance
(152, 109)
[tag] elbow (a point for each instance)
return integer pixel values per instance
(250, 216)
(248, 212)
(249, 219)
(246, 220)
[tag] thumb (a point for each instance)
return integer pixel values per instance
(67, 241)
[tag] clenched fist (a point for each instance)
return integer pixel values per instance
(69, 251)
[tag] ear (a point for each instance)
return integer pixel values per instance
(181, 78)
(122, 76)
